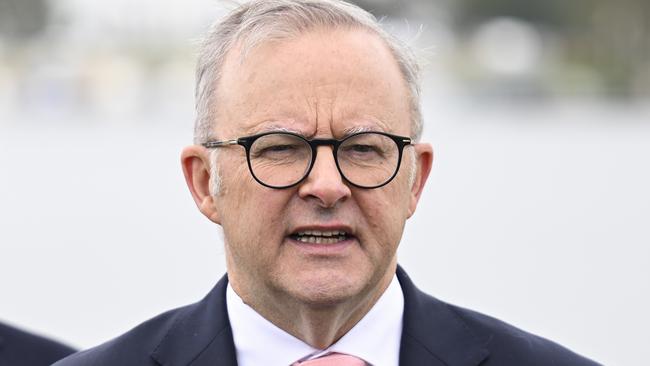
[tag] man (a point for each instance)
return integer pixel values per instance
(19, 348)
(306, 153)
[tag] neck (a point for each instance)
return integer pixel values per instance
(319, 325)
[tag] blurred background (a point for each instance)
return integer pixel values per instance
(537, 210)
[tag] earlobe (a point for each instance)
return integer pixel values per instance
(196, 169)
(424, 160)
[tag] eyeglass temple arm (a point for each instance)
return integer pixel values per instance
(211, 144)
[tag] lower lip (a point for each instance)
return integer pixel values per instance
(337, 248)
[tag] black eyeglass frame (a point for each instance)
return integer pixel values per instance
(247, 142)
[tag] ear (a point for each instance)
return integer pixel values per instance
(424, 160)
(195, 161)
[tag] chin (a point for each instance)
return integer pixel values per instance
(327, 289)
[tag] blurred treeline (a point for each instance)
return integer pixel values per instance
(533, 49)
(541, 48)
(604, 41)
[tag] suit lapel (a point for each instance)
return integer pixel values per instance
(201, 336)
(433, 334)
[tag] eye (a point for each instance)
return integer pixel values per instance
(358, 148)
(361, 153)
(279, 148)
(362, 149)
(275, 151)
(367, 148)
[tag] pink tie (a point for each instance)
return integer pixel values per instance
(333, 359)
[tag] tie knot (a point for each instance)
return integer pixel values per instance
(333, 359)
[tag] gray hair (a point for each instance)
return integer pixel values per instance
(264, 20)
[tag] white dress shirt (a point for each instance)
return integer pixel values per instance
(375, 338)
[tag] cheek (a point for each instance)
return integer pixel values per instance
(253, 229)
(234, 199)
(385, 213)
(253, 213)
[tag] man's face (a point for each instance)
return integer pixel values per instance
(323, 84)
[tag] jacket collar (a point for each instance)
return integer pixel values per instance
(433, 334)
(200, 335)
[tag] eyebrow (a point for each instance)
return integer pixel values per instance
(358, 129)
(346, 132)
(275, 128)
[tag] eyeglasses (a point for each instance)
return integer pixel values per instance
(283, 159)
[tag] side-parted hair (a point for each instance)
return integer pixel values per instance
(257, 21)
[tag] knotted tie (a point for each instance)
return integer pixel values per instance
(333, 359)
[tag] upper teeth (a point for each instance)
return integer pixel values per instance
(321, 233)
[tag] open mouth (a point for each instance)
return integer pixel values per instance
(320, 237)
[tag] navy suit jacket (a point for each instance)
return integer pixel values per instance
(19, 348)
(434, 334)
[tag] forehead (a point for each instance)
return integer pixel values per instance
(323, 82)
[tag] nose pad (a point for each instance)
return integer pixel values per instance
(324, 181)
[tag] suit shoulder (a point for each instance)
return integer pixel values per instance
(23, 348)
(132, 348)
(510, 345)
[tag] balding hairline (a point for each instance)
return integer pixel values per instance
(262, 21)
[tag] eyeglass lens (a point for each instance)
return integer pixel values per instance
(367, 159)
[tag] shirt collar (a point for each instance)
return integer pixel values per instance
(375, 338)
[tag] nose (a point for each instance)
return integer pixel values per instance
(324, 183)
